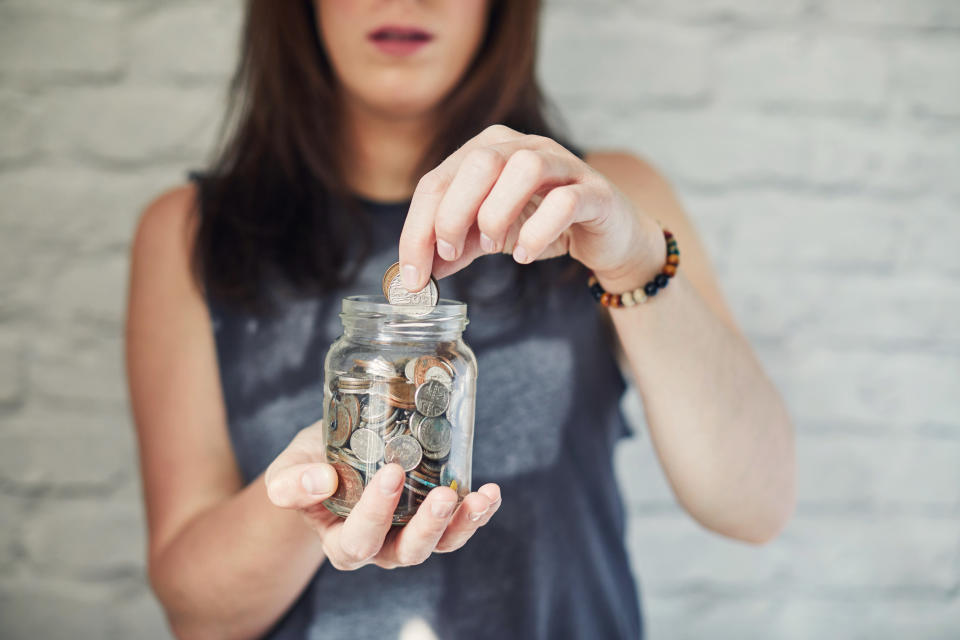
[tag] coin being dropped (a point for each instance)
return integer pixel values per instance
(396, 293)
(405, 451)
(350, 486)
(432, 398)
(366, 445)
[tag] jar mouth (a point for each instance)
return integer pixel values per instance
(378, 307)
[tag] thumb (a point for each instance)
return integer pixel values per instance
(302, 485)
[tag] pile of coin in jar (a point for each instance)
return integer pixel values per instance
(383, 411)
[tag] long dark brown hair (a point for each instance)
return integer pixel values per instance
(266, 199)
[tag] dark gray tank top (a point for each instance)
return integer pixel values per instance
(551, 563)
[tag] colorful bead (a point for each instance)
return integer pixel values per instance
(642, 294)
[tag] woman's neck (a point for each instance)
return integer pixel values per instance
(382, 152)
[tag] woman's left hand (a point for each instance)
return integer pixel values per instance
(528, 196)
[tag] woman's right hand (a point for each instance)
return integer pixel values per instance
(300, 478)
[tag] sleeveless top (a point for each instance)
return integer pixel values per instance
(552, 562)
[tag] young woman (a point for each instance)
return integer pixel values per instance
(362, 130)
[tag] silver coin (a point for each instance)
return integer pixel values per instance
(403, 450)
(377, 408)
(440, 375)
(432, 398)
(436, 435)
(366, 445)
(409, 368)
(426, 297)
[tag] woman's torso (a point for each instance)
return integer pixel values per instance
(552, 562)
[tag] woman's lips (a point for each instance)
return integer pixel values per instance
(399, 41)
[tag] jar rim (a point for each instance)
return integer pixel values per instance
(445, 308)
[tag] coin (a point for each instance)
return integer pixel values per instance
(340, 425)
(366, 445)
(408, 369)
(435, 434)
(396, 293)
(425, 363)
(440, 375)
(405, 451)
(350, 486)
(377, 408)
(432, 398)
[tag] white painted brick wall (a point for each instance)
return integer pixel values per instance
(816, 144)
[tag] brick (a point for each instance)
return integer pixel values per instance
(13, 509)
(712, 10)
(791, 71)
(887, 159)
(936, 238)
(900, 390)
(73, 463)
(928, 77)
(67, 40)
(20, 127)
(11, 369)
(911, 310)
(824, 555)
(870, 472)
(133, 124)
(141, 618)
(622, 61)
(62, 538)
(714, 149)
(186, 41)
(778, 232)
(894, 13)
(780, 613)
(92, 289)
(51, 610)
(75, 371)
(77, 208)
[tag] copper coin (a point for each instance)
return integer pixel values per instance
(340, 426)
(425, 363)
(350, 486)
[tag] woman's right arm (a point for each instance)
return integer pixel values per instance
(224, 560)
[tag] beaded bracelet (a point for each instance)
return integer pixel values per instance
(640, 294)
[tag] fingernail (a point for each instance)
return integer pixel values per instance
(390, 480)
(443, 510)
(315, 481)
(446, 250)
(520, 254)
(410, 276)
(486, 243)
(476, 515)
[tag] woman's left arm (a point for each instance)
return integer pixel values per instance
(718, 424)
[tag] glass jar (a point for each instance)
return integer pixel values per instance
(399, 386)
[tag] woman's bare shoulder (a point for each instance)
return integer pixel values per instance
(167, 222)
